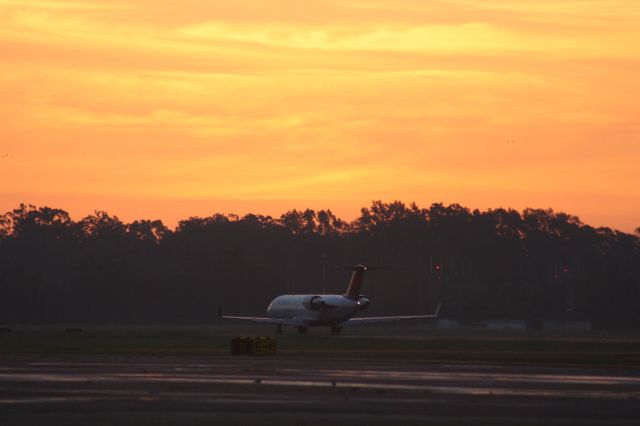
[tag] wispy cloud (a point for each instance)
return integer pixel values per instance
(55, 5)
(344, 100)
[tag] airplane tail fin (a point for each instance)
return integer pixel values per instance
(355, 284)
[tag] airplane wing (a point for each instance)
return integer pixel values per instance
(262, 320)
(254, 319)
(379, 320)
(291, 322)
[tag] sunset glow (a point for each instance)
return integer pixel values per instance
(166, 110)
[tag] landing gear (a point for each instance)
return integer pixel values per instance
(302, 330)
(336, 329)
(279, 329)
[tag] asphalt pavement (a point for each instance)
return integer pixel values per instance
(97, 390)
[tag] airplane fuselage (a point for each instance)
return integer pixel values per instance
(335, 309)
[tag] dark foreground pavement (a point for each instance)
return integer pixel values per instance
(97, 390)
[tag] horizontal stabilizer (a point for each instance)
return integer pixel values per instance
(361, 267)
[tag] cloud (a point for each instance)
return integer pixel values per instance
(343, 100)
(67, 6)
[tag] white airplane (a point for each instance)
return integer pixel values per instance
(333, 310)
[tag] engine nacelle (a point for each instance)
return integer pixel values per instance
(363, 303)
(314, 303)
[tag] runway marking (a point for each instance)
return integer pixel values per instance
(471, 390)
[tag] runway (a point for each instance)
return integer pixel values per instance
(37, 390)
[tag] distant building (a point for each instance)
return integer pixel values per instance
(571, 325)
(566, 325)
(446, 324)
(505, 324)
(569, 320)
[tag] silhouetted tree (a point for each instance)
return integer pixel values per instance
(497, 263)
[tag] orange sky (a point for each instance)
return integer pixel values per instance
(152, 109)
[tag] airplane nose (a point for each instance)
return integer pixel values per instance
(269, 308)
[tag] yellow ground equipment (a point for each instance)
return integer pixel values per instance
(253, 346)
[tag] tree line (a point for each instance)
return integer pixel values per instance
(501, 263)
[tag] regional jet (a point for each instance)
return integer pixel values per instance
(329, 310)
